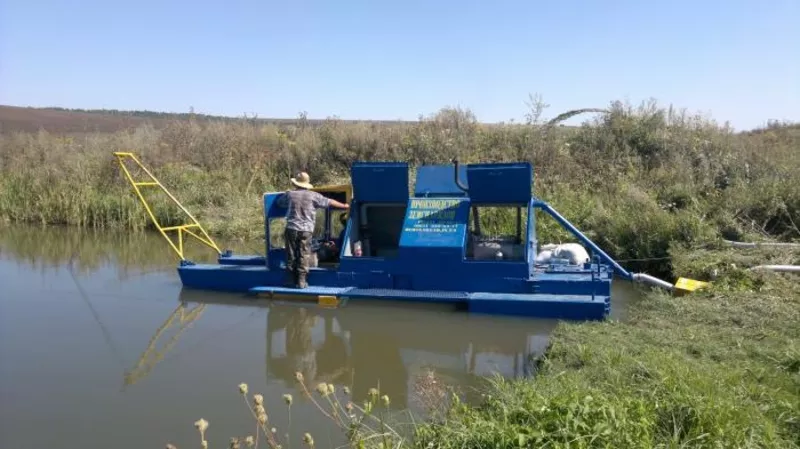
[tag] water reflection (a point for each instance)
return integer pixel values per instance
(367, 343)
(185, 316)
(300, 340)
(364, 345)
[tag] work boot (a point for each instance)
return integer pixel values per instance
(301, 280)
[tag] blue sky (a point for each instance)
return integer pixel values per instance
(735, 60)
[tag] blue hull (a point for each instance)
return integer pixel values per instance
(573, 293)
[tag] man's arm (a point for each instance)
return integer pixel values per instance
(323, 201)
(338, 205)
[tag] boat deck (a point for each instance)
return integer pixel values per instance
(535, 304)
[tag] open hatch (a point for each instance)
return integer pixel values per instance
(381, 197)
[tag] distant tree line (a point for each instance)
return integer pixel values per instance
(302, 117)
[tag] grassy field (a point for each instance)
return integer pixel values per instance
(714, 369)
(717, 369)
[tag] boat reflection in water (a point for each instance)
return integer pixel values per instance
(367, 344)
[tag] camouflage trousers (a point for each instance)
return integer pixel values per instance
(298, 256)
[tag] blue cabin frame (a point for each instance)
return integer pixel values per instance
(428, 245)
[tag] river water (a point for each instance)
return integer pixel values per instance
(100, 346)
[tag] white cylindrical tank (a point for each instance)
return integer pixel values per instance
(569, 253)
(544, 256)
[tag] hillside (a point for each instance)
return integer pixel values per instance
(13, 118)
(60, 120)
(70, 121)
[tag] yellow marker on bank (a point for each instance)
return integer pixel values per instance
(685, 286)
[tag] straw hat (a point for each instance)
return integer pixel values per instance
(303, 180)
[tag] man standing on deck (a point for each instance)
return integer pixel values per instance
(302, 204)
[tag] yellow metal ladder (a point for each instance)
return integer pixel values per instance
(181, 229)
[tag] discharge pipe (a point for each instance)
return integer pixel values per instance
(759, 244)
(622, 272)
(779, 268)
(776, 268)
(652, 280)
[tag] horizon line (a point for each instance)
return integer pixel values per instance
(420, 117)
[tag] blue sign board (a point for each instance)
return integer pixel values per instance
(440, 222)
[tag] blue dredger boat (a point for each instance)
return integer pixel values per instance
(427, 246)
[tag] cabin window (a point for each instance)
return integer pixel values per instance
(497, 233)
(376, 229)
(338, 222)
(277, 227)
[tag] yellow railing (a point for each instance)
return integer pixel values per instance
(181, 229)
